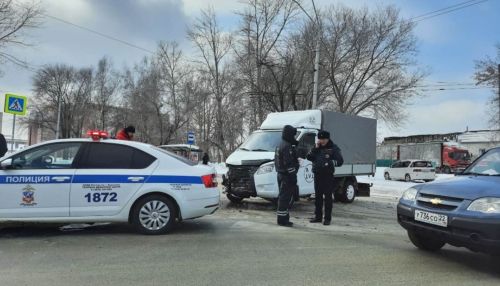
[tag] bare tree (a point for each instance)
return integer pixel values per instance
(15, 20)
(106, 84)
(174, 72)
(487, 72)
(69, 86)
(369, 61)
(214, 45)
(263, 25)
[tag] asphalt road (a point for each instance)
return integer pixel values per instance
(241, 245)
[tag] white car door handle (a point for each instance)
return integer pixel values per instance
(61, 179)
(135, 179)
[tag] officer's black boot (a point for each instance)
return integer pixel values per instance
(315, 220)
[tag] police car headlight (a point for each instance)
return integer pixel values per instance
(410, 195)
(485, 205)
(265, 169)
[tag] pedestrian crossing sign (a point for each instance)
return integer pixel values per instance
(15, 104)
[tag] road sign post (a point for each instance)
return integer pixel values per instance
(15, 105)
(191, 139)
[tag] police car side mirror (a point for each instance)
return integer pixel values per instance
(6, 164)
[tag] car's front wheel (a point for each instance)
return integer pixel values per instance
(154, 214)
(387, 176)
(407, 178)
(425, 243)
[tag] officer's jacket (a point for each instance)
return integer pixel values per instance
(325, 158)
(286, 160)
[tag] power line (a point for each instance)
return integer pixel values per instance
(442, 9)
(109, 37)
(99, 33)
(447, 11)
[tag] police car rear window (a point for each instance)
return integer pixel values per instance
(175, 156)
(115, 156)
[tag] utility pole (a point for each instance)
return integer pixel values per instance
(316, 74)
(317, 26)
(58, 117)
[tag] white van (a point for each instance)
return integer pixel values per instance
(251, 167)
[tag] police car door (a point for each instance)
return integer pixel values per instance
(305, 176)
(37, 182)
(109, 175)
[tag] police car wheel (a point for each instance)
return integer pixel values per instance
(154, 214)
(348, 193)
(424, 242)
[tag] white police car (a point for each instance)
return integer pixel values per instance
(94, 180)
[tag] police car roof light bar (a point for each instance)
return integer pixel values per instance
(97, 135)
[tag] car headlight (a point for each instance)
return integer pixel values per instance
(410, 195)
(485, 205)
(265, 169)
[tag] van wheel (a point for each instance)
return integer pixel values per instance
(348, 193)
(387, 177)
(425, 243)
(407, 178)
(154, 214)
(234, 199)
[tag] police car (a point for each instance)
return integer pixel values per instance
(100, 180)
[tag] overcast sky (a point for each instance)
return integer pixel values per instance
(448, 46)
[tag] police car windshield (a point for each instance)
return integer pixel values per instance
(175, 156)
(487, 165)
(263, 141)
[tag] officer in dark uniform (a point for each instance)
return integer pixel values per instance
(325, 156)
(286, 162)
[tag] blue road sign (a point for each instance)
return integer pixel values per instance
(15, 104)
(191, 138)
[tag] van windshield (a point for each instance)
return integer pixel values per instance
(262, 141)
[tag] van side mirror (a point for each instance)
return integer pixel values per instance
(6, 164)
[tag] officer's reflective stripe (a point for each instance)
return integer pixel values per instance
(83, 179)
(34, 179)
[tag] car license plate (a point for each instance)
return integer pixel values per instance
(431, 218)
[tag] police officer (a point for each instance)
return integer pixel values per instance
(286, 162)
(325, 156)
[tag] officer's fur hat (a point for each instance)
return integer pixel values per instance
(322, 134)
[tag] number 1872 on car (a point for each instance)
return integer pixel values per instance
(103, 197)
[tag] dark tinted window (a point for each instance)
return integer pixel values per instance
(406, 164)
(306, 143)
(422, 164)
(115, 156)
(141, 160)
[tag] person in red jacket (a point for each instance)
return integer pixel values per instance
(126, 133)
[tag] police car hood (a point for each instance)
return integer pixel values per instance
(241, 157)
(464, 187)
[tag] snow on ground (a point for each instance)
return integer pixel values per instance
(393, 189)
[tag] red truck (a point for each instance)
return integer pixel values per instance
(449, 157)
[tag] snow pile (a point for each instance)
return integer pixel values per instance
(393, 189)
